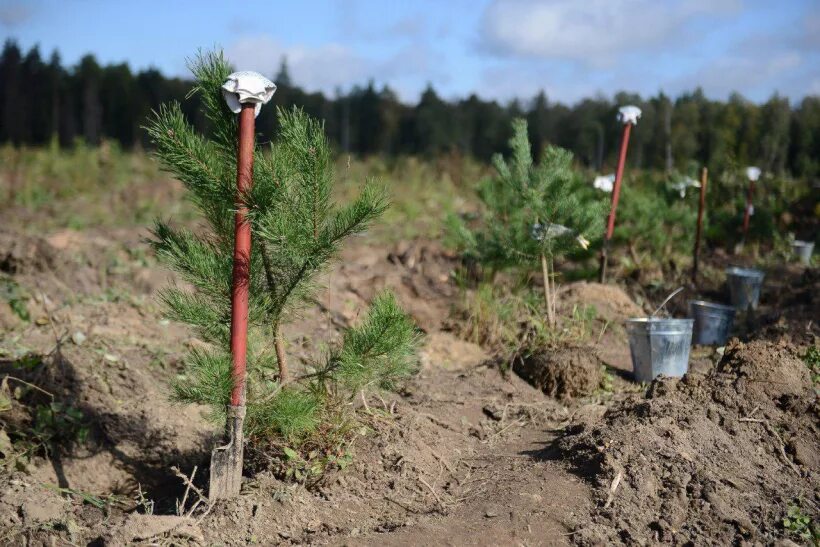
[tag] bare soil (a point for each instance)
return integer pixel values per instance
(708, 459)
(464, 454)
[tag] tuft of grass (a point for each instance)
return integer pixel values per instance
(421, 193)
(103, 503)
(81, 186)
(33, 422)
(489, 316)
(513, 322)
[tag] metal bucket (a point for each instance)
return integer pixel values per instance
(744, 287)
(713, 322)
(659, 346)
(803, 250)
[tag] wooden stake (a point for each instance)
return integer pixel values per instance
(747, 212)
(545, 273)
(704, 175)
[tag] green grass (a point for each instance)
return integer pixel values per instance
(105, 187)
(83, 187)
(511, 321)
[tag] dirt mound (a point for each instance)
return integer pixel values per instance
(610, 301)
(613, 306)
(715, 459)
(25, 254)
(563, 373)
(770, 374)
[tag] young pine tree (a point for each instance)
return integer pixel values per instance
(296, 231)
(532, 213)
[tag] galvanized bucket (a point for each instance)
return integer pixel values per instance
(803, 250)
(659, 346)
(713, 322)
(744, 287)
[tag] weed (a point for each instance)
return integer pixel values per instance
(16, 297)
(812, 360)
(798, 524)
(314, 465)
(32, 421)
(58, 424)
(607, 381)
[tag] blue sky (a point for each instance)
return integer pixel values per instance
(495, 48)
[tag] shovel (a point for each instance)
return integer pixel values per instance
(245, 92)
(629, 116)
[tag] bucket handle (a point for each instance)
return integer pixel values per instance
(665, 302)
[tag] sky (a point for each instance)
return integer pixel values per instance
(499, 49)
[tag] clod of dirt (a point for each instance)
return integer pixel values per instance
(610, 301)
(613, 306)
(703, 459)
(24, 254)
(445, 351)
(137, 528)
(770, 373)
(563, 373)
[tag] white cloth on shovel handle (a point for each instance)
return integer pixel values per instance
(629, 114)
(247, 87)
(753, 173)
(604, 182)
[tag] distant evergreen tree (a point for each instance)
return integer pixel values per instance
(12, 113)
(97, 102)
(283, 76)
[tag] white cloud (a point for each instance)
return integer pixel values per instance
(592, 31)
(331, 66)
(13, 14)
(733, 73)
(323, 67)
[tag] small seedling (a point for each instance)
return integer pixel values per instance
(290, 230)
(798, 524)
(812, 360)
(534, 213)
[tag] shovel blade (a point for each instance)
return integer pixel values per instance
(226, 461)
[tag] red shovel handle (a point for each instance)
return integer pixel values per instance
(619, 175)
(241, 254)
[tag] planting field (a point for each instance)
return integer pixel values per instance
(510, 433)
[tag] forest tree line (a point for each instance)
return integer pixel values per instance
(42, 100)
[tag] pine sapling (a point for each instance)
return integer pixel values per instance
(297, 230)
(532, 213)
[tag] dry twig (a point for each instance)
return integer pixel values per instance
(612, 488)
(189, 485)
(438, 499)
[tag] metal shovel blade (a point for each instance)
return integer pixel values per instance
(226, 461)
